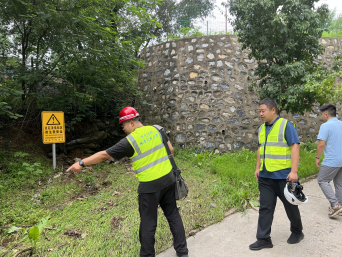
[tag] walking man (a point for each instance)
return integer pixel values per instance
(277, 163)
(144, 146)
(330, 141)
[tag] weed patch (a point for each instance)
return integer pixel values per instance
(100, 205)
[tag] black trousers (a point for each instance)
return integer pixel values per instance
(148, 208)
(270, 189)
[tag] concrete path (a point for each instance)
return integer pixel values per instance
(232, 236)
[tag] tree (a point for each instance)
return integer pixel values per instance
(283, 37)
(80, 53)
(336, 26)
(4, 43)
(333, 25)
(174, 15)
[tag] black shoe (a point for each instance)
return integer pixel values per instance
(182, 255)
(295, 238)
(260, 244)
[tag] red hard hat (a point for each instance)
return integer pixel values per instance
(127, 113)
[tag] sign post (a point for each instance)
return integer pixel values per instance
(53, 131)
(54, 156)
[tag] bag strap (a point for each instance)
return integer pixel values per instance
(173, 163)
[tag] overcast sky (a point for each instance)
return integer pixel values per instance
(332, 4)
(217, 23)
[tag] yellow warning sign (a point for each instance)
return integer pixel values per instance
(53, 127)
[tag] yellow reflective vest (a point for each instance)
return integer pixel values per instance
(274, 150)
(150, 160)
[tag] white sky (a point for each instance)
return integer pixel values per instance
(332, 4)
(218, 23)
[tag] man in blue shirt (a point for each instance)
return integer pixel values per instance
(330, 141)
(271, 184)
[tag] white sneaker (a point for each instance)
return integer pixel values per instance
(333, 211)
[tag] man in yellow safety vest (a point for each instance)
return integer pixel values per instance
(150, 161)
(277, 163)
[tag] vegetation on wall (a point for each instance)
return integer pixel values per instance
(322, 82)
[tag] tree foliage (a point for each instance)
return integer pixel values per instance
(335, 28)
(283, 37)
(333, 25)
(175, 15)
(75, 56)
(323, 82)
(336, 25)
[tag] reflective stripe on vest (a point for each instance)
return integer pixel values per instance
(150, 160)
(274, 150)
(279, 157)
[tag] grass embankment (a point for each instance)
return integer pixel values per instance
(106, 211)
(332, 34)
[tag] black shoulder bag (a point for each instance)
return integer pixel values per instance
(181, 189)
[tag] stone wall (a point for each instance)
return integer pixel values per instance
(198, 89)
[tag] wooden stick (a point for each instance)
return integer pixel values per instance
(22, 251)
(16, 245)
(25, 226)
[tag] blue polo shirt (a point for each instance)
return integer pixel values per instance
(291, 137)
(331, 133)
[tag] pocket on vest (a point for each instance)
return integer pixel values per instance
(278, 155)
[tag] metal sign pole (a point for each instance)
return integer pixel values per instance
(54, 156)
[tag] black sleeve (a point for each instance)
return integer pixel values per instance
(122, 149)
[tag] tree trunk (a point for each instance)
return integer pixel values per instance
(23, 62)
(283, 102)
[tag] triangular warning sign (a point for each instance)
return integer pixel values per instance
(53, 120)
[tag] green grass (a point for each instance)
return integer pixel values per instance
(332, 34)
(109, 216)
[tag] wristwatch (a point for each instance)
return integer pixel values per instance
(81, 163)
(318, 157)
